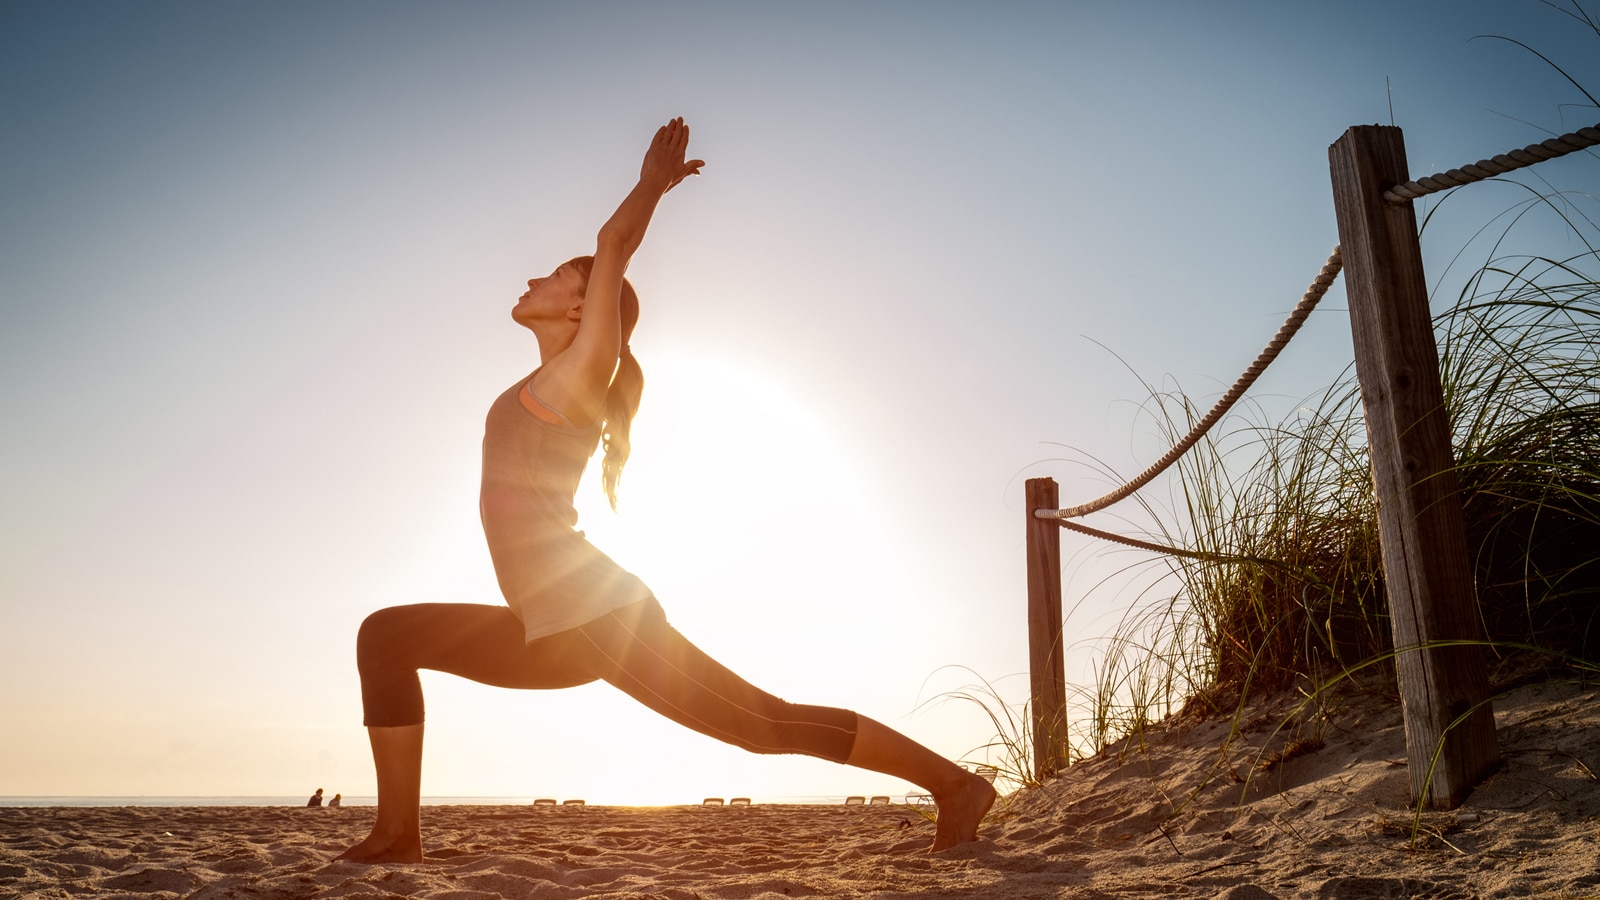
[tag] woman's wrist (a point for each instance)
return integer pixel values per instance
(654, 184)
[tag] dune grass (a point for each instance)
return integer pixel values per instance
(1290, 590)
(1295, 593)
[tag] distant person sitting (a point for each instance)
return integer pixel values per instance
(316, 799)
(335, 801)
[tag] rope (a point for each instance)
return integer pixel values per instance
(1483, 169)
(1488, 168)
(1119, 539)
(1307, 303)
(1152, 547)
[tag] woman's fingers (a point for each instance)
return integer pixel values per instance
(667, 150)
(672, 136)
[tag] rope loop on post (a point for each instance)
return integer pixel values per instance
(1308, 302)
(1499, 165)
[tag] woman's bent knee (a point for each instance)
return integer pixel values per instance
(381, 636)
(391, 693)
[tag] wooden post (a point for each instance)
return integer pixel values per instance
(1046, 668)
(1425, 561)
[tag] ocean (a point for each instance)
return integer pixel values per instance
(828, 800)
(235, 801)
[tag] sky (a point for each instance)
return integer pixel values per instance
(257, 262)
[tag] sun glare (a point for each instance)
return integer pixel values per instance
(743, 511)
(739, 503)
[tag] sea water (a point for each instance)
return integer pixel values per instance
(821, 800)
(241, 801)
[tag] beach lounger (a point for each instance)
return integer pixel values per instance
(572, 803)
(855, 801)
(544, 801)
(711, 801)
(880, 800)
(739, 801)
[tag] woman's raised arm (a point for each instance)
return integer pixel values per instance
(584, 369)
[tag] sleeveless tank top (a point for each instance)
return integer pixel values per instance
(550, 574)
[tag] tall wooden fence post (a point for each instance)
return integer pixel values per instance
(1046, 668)
(1425, 561)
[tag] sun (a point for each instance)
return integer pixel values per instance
(740, 494)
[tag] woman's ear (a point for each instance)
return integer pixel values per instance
(575, 312)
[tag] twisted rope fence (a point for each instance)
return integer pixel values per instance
(1482, 170)
(1308, 302)
(1499, 165)
(1428, 576)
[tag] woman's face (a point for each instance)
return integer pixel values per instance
(550, 296)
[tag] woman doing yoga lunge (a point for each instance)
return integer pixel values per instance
(573, 615)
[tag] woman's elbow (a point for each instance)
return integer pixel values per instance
(611, 238)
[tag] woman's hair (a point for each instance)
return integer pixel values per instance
(622, 398)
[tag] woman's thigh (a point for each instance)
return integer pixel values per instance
(479, 642)
(649, 660)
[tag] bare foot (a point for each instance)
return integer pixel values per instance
(960, 811)
(379, 848)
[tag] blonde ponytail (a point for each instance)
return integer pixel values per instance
(622, 397)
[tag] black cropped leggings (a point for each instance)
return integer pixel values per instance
(632, 648)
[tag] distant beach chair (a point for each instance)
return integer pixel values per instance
(711, 801)
(739, 801)
(987, 773)
(572, 803)
(855, 801)
(919, 799)
(544, 801)
(879, 800)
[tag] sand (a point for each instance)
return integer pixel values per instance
(1174, 815)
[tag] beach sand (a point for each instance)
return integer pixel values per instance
(1173, 815)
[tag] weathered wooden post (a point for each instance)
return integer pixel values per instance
(1046, 668)
(1425, 560)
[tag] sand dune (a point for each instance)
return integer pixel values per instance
(1175, 815)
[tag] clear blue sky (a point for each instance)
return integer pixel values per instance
(256, 262)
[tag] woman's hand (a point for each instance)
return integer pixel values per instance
(664, 164)
(576, 379)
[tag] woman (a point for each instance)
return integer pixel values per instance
(574, 616)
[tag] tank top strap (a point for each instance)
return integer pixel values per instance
(540, 409)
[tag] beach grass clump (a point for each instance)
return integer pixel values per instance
(1522, 369)
(1281, 583)
(1009, 753)
(1277, 582)
(1294, 587)
(1284, 586)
